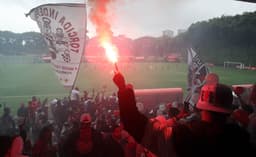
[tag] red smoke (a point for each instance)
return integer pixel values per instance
(98, 16)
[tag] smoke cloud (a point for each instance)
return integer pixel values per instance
(98, 15)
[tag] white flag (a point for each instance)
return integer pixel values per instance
(63, 27)
(197, 71)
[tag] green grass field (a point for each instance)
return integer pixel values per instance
(19, 82)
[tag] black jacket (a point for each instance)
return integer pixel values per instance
(68, 148)
(191, 139)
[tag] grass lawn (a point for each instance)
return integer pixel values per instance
(19, 82)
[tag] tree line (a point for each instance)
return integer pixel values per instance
(29, 43)
(226, 38)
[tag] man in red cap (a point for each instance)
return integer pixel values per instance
(84, 142)
(211, 136)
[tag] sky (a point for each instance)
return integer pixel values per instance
(132, 18)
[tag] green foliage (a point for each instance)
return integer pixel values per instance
(227, 38)
(230, 38)
(22, 44)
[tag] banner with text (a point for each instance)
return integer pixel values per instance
(63, 27)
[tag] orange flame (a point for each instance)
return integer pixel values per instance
(110, 50)
(99, 17)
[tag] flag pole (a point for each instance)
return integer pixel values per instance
(189, 86)
(82, 52)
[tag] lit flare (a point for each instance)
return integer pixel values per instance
(111, 52)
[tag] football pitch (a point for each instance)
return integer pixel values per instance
(19, 82)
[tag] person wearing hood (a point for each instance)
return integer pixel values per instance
(210, 136)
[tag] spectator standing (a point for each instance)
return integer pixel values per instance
(22, 111)
(7, 123)
(173, 111)
(75, 96)
(44, 146)
(113, 147)
(85, 95)
(211, 136)
(84, 141)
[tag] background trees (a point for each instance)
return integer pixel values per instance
(217, 40)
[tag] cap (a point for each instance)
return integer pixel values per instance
(85, 118)
(216, 98)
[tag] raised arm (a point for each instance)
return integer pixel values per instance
(134, 122)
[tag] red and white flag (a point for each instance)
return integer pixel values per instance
(63, 27)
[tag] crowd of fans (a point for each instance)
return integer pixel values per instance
(96, 125)
(60, 127)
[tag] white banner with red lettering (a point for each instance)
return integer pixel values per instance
(63, 27)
